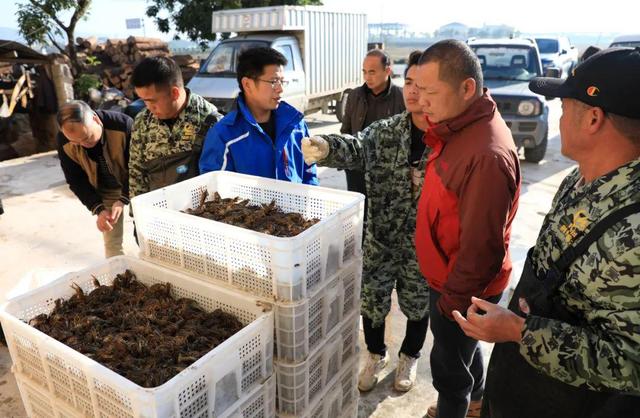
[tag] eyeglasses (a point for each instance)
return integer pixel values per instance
(275, 83)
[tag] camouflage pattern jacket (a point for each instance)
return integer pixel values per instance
(382, 152)
(152, 138)
(602, 286)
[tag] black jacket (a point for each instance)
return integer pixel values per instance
(357, 107)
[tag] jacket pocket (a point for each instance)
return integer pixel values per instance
(166, 170)
(433, 230)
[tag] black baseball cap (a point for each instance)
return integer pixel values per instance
(609, 79)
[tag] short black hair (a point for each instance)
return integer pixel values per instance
(74, 111)
(385, 59)
(414, 58)
(252, 61)
(159, 71)
(457, 62)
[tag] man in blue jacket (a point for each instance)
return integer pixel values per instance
(263, 135)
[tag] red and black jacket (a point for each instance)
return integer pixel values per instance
(468, 202)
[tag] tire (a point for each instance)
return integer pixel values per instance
(536, 154)
(341, 105)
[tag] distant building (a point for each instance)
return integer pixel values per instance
(493, 31)
(453, 30)
(462, 32)
(379, 31)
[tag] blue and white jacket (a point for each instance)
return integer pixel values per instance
(237, 143)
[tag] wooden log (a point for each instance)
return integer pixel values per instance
(150, 46)
(154, 53)
(115, 41)
(90, 43)
(141, 39)
(184, 60)
(119, 58)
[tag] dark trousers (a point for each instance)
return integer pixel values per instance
(456, 363)
(414, 337)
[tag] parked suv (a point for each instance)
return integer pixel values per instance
(632, 41)
(557, 52)
(508, 65)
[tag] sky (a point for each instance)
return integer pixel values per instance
(107, 17)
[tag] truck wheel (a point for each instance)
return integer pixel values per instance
(341, 105)
(536, 154)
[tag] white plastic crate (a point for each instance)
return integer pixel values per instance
(260, 403)
(299, 385)
(212, 384)
(287, 269)
(302, 326)
(340, 398)
(38, 403)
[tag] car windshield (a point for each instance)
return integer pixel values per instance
(223, 60)
(518, 63)
(631, 44)
(547, 46)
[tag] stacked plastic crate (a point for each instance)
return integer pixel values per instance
(55, 381)
(310, 281)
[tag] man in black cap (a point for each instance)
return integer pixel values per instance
(569, 344)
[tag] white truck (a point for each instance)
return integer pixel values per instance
(324, 50)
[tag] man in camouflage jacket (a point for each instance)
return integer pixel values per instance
(392, 156)
(575, 316)
(169, 125)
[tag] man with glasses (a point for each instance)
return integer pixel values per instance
(262, 135)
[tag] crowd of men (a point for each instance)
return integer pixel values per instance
(441, 175)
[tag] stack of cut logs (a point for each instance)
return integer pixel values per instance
(6, 69)
(118, 58)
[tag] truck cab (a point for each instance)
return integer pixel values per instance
(507, 66)
(324, 49)
(216, 81)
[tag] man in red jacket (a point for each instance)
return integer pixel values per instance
(467, 205)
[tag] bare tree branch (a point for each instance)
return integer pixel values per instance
(83, 6)
(53, 41)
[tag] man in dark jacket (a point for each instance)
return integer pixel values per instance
(468, 202)
(378, 98)
(93, 147)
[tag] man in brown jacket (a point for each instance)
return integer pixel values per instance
(467, 205)
(93, 147)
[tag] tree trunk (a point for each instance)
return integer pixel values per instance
(76, 65)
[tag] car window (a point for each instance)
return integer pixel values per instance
(288, 54)
(547, 46)
(507, 62)
(220, 60)
(563, 44)
(631, 44)
(224, 58)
